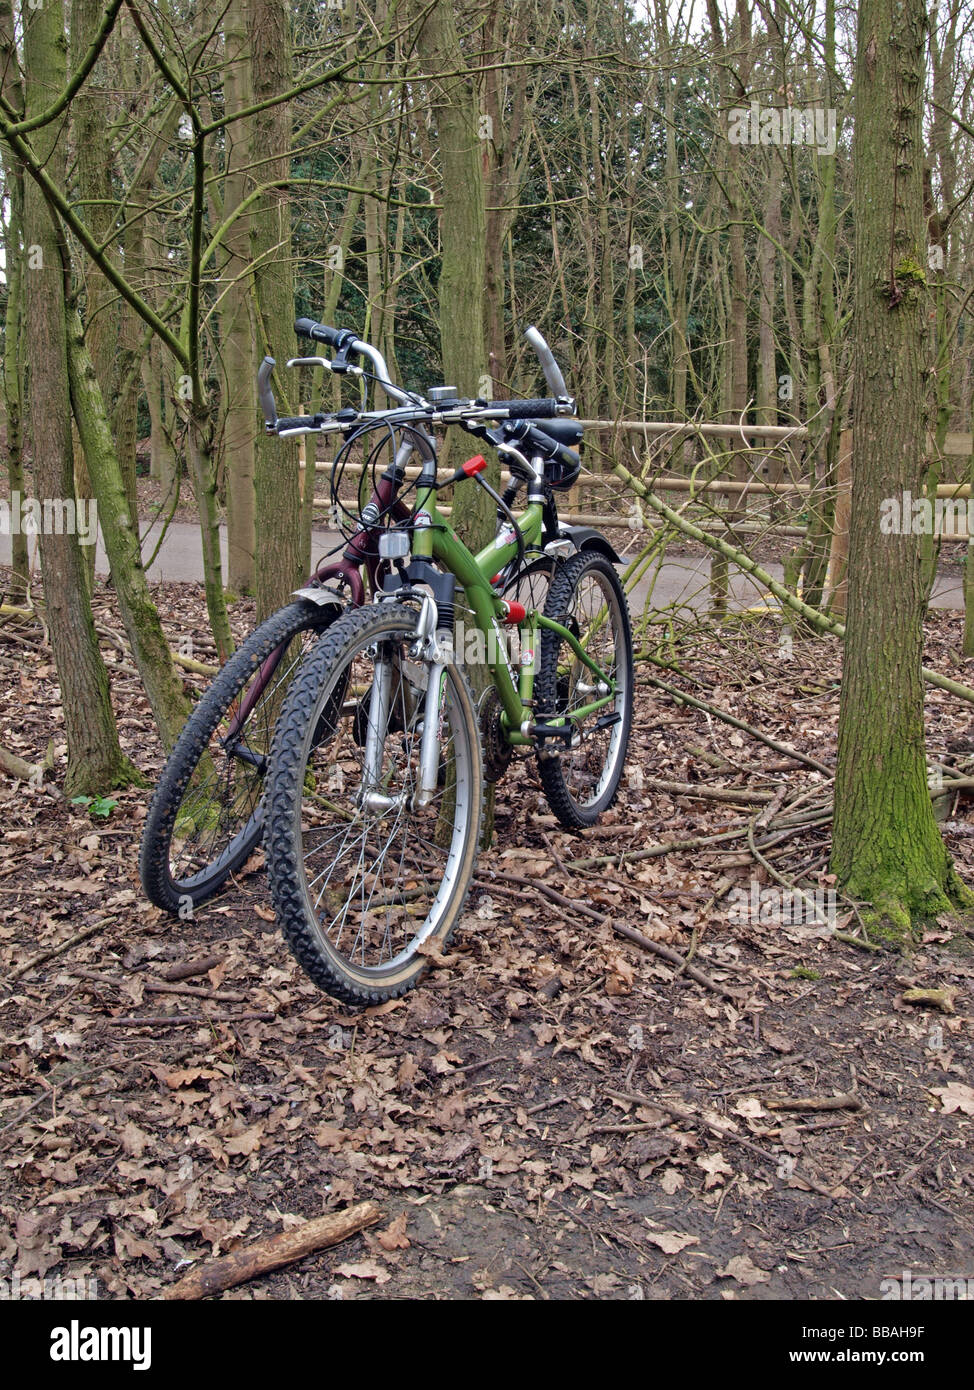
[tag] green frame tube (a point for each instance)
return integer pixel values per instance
(435, 539)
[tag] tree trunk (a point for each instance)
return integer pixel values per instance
(237, 324)
(276, 475)
(139, 613)
(11, 233)
(463, 252)
(95, 760)
(887, 849)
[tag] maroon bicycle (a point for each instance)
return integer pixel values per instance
(206, 815)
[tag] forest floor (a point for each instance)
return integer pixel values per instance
(558, 1112)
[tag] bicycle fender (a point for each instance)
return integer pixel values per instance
(587, 538)
(324, 598)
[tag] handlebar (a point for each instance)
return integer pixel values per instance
(548, 408)
(552, 372)
(417, 409)
(321, 333)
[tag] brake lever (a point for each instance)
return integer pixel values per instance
(310, 362)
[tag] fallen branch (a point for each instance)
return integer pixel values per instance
(817, 619)
(846, 1102)
(741, 724)
(187, 968)
(24, 771)
(199, 668)
(184, 1020)
(197, 991)
(158, 987)
(274, 1252)
(655, 947)
(705, 792)
(57, 950)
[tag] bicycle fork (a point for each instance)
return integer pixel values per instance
(432, 649)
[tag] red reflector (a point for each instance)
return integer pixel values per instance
(475, 465)
(514, 612)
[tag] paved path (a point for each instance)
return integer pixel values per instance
(682, 580)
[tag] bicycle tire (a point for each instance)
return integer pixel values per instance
(581, 782)
(402, 887)
(222, 846)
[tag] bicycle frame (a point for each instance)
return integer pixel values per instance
(435, 539)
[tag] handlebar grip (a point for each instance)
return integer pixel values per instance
(321, 333)
(546, 409)
(551, 448)
(297, 422)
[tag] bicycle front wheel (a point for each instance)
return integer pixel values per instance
(368, 871)
(581, 781)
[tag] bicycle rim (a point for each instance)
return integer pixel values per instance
(366, 879)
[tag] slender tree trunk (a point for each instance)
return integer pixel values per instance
(95, 760)
(139, 613)
(463, 251)
(164, 463)
(237, 323)
(276, 475)
(11, 231)
(887, 849)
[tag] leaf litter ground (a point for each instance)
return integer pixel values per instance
(555, 1112)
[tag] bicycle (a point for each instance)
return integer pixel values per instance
(378, 763)
(205, 819)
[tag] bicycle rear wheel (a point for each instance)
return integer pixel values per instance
(206, 816)
(368, 879)
(582, 780)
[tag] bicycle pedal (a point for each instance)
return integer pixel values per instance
(605, 722)
(542, 731)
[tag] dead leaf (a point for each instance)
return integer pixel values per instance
(365, 1269)
(671, 1242)
(394, 1236)
(955, 1097)
(742, 1268)
(716, 1167)
(134, 1140)
(247, 1142)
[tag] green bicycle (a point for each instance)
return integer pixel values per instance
(380, 755)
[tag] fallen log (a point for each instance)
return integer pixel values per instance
(274, 1252)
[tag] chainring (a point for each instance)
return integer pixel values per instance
(497, 750)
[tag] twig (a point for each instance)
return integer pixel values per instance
(57, 950)
(687, 1116)
(736, 723)
(184, 1020)
(673, 957)
(859, 941)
